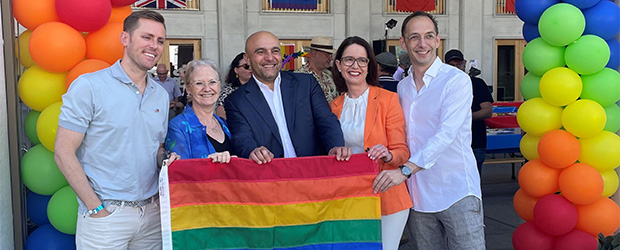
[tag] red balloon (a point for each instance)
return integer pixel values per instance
(528, 237)
(558, 149)
(85, 16)
(576, 240)
(555, 215)
(122, 2)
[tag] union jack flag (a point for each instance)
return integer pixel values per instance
(161, 4)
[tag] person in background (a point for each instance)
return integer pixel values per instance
(372, 122)
(109, 143)
(386, 66)
(239, 72)
(172, 88)
(198, 132)
(321, 50)
(280, 114)
(445, 186)
(403, 66)
(481, 108)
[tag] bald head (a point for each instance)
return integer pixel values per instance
(262, 52)
(162, 72)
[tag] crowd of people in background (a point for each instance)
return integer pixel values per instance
(412, 114)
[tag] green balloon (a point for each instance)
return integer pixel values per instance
(40, 173)
(539, 56)
(613, 118)
(561, 24)
(30, 125)
(602, 87)
(529, 86)
(588, 55)
(62, 210)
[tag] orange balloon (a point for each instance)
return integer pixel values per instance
(581, 184)
(105, 43)
(602, 216)
(119, 14)
(558, 149)
(56, 47)
(21, 49)
(86, 66)
(524, 205)
(32, 14)
(537, 179)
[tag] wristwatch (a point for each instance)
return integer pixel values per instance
(95, 210)
(406, 171)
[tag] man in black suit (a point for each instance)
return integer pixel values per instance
(280, 114)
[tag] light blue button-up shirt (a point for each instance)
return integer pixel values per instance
(122, 132)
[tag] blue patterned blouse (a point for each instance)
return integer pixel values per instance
(188, 137)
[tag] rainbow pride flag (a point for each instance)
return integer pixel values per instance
(303, 203)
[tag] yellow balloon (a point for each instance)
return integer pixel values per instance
(584, 118)
(537, 117)
(601, 151)
(38, 88)
(610, 182)
(529, 146)
(47, 125)
(21, 49)
(560, 86)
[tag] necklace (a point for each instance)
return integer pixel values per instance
(216, 125)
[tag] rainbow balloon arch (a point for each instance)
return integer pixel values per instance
(571, 118)
(63, 40)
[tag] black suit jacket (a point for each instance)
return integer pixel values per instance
(313, 128)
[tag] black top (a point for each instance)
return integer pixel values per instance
(221, 147)
(478, 128)
(388, 82)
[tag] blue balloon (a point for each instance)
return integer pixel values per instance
(530, 11)
(582, 4)
(602, 20)
(530, 32)
(614, 55)
(47, 237)
(36, 208)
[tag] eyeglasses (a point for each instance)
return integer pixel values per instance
(162, 74)
(245, 66)
(349, 61)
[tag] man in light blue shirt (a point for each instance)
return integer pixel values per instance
(109, 142)
(172, 88)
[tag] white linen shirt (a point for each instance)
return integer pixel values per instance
(274, 100)
(438, 128)
(353, 121)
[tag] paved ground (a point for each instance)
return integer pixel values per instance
(499, 216)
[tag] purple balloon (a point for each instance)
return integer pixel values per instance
(582, 4)
(602, 20)
(614, 55)
(530, 32)
(530, 11)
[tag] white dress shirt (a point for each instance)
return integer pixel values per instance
(438, 126)
(353, 121)
(274, 100)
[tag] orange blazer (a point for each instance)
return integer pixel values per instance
(385, 124)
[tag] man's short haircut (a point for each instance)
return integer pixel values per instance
(388, 69)
(131, 22)
(417, 14)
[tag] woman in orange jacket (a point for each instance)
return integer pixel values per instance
(372, 121)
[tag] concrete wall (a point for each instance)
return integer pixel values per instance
(223, 25)
(6, 208)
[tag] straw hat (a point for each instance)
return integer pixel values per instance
(322, 43)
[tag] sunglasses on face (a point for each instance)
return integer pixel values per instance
(245, 66)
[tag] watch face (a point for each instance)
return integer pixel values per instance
(406, 171)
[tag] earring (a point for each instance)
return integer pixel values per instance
(237, 75)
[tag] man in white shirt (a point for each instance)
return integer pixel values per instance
(280, 114)
(445, 185)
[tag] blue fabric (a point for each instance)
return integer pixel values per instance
(122, 129)
(313, 128)
(294, 4)
(188, 137)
